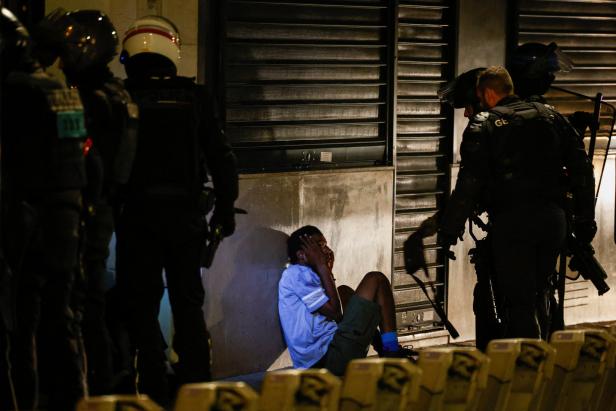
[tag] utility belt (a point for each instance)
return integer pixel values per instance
(495, 209)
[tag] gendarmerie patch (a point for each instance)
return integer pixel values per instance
(70, 120)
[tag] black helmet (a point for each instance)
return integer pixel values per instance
(15, 43)
(532, 67)
(82, 38)
(460, 92)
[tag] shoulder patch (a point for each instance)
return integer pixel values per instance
(483, 116)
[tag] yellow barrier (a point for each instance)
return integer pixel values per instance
(118, 403)
(380, 384)
(219, 396)
(520, 369)
(581, 360)
(604, 395)
(453, 378)
(300, 390)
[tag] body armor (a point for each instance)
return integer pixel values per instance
(514, 154)
(45, 131)
(170, 161)
(112, 122)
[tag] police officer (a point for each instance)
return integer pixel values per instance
(162, 225)
(86, 41)
(533, 67)
(461, 93)
(43, 174)
(512, 160)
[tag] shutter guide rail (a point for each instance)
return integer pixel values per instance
(421, 170)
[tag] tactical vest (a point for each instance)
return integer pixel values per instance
(525, 155)
(43, 135)
(170, 161)
(112, 121)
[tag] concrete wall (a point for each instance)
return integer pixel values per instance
(353, 208)
(582, 303)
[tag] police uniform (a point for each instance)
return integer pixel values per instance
(163, 227)
(43, 175)
(111, 121)
(512, 162)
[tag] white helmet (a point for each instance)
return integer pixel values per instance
(152, 34)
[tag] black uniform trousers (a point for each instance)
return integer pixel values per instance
(526, 241)
(153, 236)
(90, 297)
(45, 346)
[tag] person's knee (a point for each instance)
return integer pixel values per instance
(377, 277)
(345, 290)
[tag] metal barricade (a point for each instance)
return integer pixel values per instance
(216, 396)
(383, 384)
(300, 390)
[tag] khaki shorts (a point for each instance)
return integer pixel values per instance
(352, 338)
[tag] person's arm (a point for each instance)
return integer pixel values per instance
(318, 261)
(471, 180)
(582, 179)
(222, 165)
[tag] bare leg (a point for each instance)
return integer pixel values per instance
(375, 287)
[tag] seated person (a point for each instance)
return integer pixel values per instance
(317, 332)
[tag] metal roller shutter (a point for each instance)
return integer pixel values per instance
(307, 83)
(586, 32)
(318, 84)
(422, 149)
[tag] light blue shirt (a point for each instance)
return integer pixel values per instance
(307, 333)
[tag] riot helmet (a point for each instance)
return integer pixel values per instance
(15, 43)
(532, 67)
(461, 91)
(151, 47)
(83, 39)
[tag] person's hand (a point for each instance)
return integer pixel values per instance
(225, 220)
(585, 231)
(330, 258)
(315, 257)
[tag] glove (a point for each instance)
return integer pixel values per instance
(584, 231)
(225, 219)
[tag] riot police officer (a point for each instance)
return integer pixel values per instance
(462, 93)
(162, 225)
(512, 160)
(86, 41)
(533, 67)
(43, 174)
